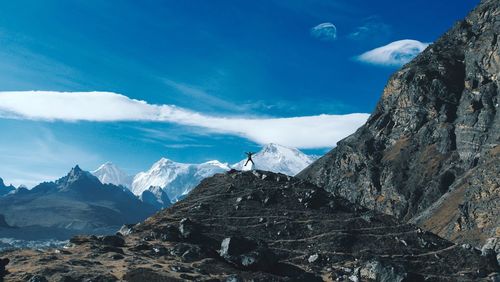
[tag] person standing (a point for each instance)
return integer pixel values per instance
(249, 158)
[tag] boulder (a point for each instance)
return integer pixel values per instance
(113, 240)
(82, 239)
(126, 229)
(247, 254)
(492, 248)
(188, 229)
(232, 246)
(169, 233)
(378, 271)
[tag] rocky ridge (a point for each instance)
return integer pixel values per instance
(430, 151)
(74, 204)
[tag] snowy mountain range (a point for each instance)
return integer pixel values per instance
(176, 179)
(278, 158)
(109, 173)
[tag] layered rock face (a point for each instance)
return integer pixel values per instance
(434, 132)
(258, 226)
(470, 211)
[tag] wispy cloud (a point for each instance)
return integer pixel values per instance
(317, 131)
(396, 53)
(325, 31)
(42, 157)
(182, 146)
(373, 29)
(198, 94)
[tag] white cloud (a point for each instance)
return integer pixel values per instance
(325, 31)
(396, 53)
(318, 131)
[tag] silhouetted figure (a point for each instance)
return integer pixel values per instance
(249, 158)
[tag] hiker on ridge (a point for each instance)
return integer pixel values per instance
(249, 158)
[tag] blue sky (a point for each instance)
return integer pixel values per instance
(225, 59)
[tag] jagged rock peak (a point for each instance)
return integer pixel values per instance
(77, 174)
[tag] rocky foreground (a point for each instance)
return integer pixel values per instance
(258, 226)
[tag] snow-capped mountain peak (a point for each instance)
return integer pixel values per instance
(278, 158)
(161, 173)
(108, 173)
(216, 163)
(176, 179)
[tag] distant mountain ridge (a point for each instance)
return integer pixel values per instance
(75, 203)
(5, 189)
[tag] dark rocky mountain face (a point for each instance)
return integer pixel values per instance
(4, 189)
(430, 151)
(3, 223)
(76, 203)
(263, 226)
(156, 197)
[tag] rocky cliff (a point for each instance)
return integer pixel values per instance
(430, 151)
(258, 226)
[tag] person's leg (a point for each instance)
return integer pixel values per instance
(247, 162)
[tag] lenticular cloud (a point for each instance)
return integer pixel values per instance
(396, 53)
(325, 31)
(318, 131)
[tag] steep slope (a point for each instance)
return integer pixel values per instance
(470, 211)
(435, 130)
(176, 179)
(4, 189)
(76, 203)
(108, 173)
(279, 159)
(258, 226)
